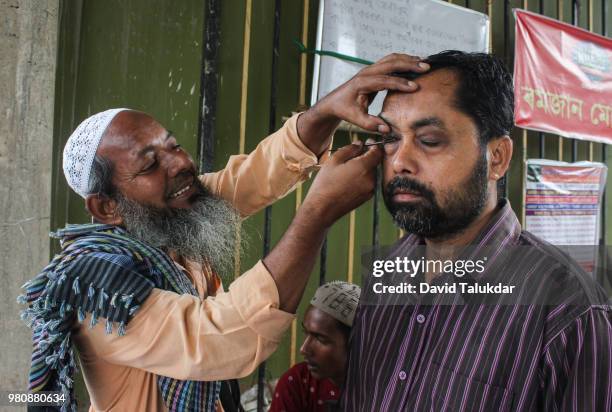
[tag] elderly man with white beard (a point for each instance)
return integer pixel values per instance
(149, 265)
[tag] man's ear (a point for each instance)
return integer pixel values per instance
(500, 154)
(103, 209)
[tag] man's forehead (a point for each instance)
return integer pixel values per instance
(131, 128)
(318, 320)
(440, 80)
(132, 122)
(436, 87)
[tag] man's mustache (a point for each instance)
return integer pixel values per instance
(409, 185)
(181, 181)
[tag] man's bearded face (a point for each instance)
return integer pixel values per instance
(204, 232)
(442, 214)
(435, 171)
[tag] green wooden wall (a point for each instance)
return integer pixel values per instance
(147, 54)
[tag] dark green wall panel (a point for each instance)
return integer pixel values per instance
(139, 54)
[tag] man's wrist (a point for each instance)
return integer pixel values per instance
(313, 212)
(315, 128)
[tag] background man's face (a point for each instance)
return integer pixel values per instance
(149, 165)
(324, 347)
(435, 175)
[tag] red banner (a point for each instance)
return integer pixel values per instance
(562, 79)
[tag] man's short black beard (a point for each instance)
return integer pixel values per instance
(204, 232)
(427, 218)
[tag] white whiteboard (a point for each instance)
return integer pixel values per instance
(371, 29)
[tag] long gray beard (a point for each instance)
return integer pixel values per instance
(205, 232)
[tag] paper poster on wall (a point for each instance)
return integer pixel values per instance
(563, 205)
(371, 29)
(562, 79)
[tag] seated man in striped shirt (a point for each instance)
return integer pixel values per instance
(547, 346)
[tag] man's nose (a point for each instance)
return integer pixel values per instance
(404, 161)
(305, 348)
(178, 163)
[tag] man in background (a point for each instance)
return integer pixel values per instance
(313, 385)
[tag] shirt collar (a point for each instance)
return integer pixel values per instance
(502, 229)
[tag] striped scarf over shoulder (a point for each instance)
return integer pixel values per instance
(102, 271)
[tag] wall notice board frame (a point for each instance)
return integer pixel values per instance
(371, 29)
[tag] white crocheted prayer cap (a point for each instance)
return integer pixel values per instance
(338, 299)
(81, 148)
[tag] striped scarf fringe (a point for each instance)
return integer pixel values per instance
(72, 286)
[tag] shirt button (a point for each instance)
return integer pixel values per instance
(402, 375)
(420, 318)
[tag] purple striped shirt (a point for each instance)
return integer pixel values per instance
(487, 357)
